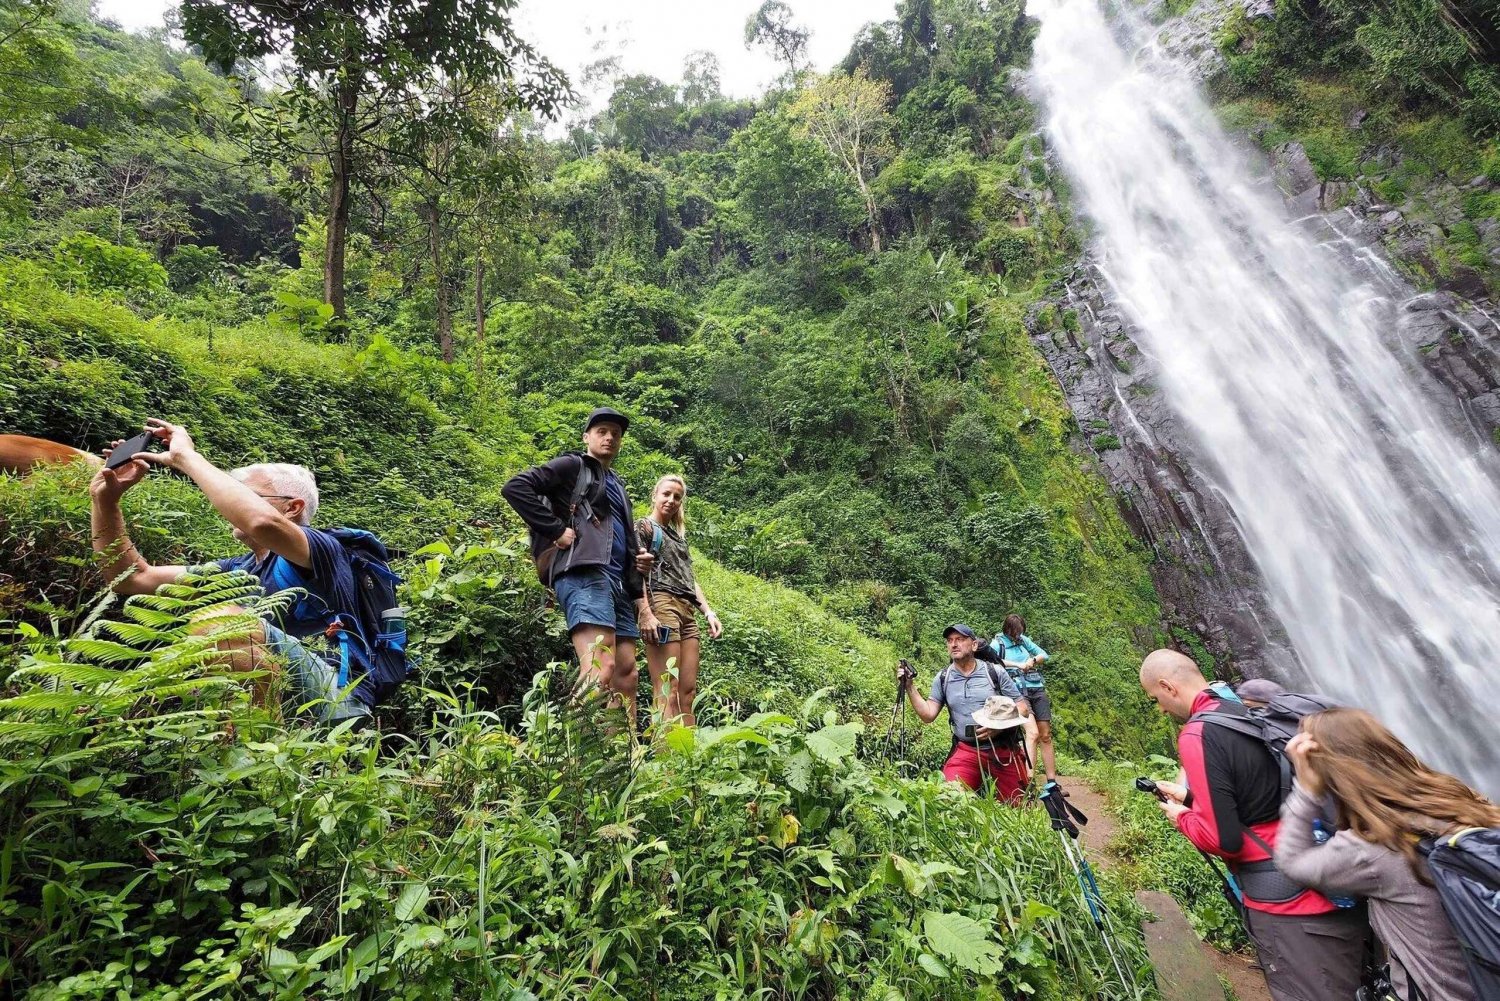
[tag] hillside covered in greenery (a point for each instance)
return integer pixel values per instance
(815, 304)
(812, 304)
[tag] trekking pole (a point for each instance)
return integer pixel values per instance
(1065, 819)
(1228, 886)
(894, 748)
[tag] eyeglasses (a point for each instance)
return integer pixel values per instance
(275, 496)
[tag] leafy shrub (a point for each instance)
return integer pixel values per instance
(86, 261)
(190, 266)
(220, 854)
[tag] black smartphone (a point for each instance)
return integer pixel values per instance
(129, 450)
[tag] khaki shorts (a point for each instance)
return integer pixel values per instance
(676, 613)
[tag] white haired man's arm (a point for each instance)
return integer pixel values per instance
(260, 523)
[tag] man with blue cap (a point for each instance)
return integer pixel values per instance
(986, 730)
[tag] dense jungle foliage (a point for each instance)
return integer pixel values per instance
(813, 304)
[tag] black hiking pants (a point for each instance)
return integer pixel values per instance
(1315, 957)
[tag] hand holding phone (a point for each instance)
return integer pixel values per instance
(129, 449)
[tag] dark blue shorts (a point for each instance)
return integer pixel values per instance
(591, 597)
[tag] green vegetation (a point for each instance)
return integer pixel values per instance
(1401, 97)
(229, 857)
(824, 331)
(861, 427)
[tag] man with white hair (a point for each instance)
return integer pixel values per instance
(270, 509)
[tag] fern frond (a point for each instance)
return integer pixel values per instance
(40, 701)
(151, 617)
(164, 602)
(78, 675)
(103, 651)
(137, 635)
(13, 731)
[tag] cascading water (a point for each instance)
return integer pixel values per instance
(1374, 519)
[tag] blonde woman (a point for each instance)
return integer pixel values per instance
(675, 599)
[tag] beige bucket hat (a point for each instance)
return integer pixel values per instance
(999, 713)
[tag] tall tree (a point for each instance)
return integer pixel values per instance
(846, 113)
(41, 80)
(354, 63)
(701, 78)
(771, 27)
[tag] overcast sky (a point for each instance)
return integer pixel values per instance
(650, 36)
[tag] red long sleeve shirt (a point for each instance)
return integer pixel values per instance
(1234, 785)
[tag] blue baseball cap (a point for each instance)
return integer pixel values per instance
(961, 629)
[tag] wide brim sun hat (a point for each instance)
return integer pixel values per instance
(999, 713)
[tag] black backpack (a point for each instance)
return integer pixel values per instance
(1465, 869)
(378, 624)
(1272, 725)
(546, 559)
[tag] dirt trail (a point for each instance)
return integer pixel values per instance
(1096, 836)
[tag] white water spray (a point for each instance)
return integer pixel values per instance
(1374, 521)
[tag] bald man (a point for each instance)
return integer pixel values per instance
(1309, 949)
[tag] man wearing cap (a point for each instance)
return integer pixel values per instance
(594, 568)
(986, 730)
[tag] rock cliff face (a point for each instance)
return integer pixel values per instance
(1454, 326)
(1208, 582)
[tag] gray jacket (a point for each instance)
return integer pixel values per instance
(1405, 912)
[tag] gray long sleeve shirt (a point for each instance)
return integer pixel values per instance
(1405, 912)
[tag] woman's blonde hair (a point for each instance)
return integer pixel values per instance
(1385, 794)
(679, 524)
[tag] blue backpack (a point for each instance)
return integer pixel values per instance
(379, 625)
(1465, 870)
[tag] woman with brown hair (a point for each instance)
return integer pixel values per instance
(675, 599)
(1023, 660)
(1387, 800)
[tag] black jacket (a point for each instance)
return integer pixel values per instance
(540, 496)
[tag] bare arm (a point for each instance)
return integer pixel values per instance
(262, 525)
(715, 627)
(111, 540)
(926, 709)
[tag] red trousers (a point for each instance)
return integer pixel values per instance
(1005, 767)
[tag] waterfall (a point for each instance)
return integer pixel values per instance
(1372, 514)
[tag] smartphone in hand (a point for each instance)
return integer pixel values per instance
(128, 450)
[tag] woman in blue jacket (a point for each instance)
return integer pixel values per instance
(1023, 660)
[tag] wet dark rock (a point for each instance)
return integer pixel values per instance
(1292, 169)
(1207, 582)
(1357, 118)
(1260, 8)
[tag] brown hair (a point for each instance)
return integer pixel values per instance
(1014, 626)
(1385, 794)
